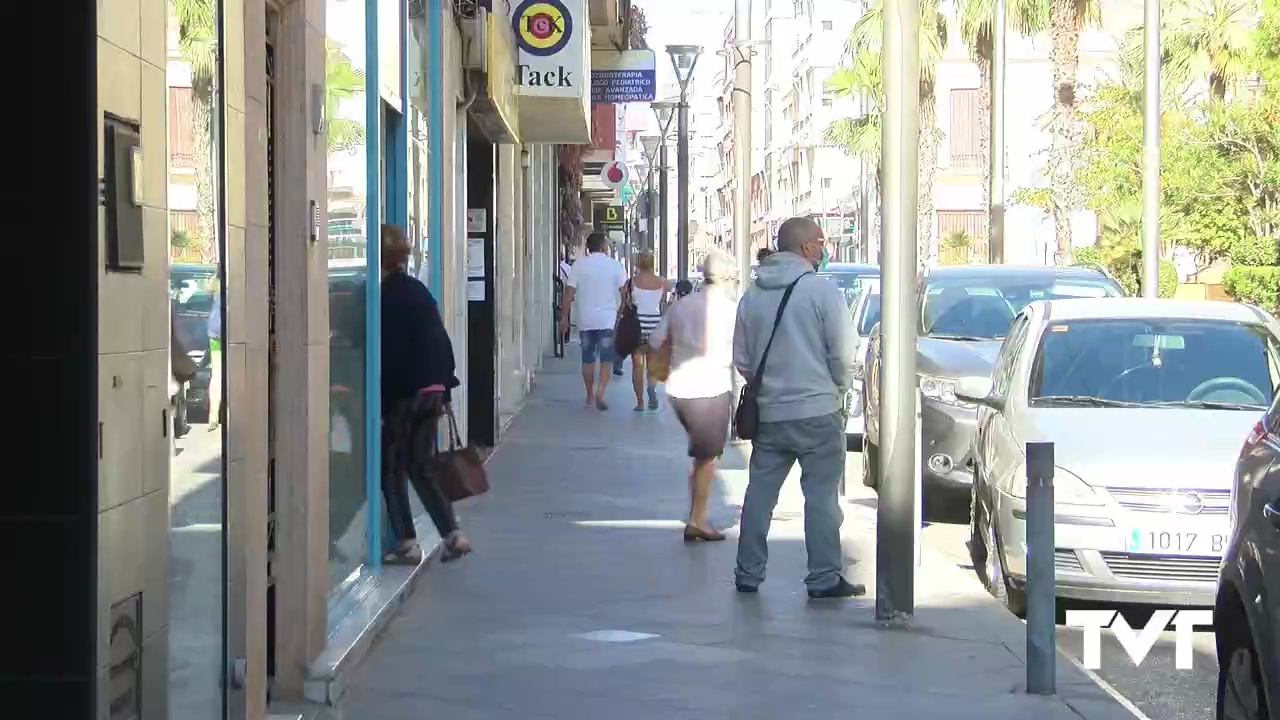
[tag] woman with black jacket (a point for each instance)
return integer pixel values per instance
(417, 382)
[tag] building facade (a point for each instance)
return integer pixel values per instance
(248, 153)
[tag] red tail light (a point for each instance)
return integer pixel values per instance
(1255, 437)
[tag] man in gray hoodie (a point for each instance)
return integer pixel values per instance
(800, 406)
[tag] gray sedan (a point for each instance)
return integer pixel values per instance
(1147, 403)
(965, 312)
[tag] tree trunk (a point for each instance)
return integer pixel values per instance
(202, 148)
(926, 246)
(984, 138)
(1064, 27)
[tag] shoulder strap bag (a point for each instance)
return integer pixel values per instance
(626, 331)
(746, 419)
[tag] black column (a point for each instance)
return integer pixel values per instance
(482, 341)
(49, 499)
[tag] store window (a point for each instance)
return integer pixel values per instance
(348, 249)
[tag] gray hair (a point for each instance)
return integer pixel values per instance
(718, 267)
(795, 232)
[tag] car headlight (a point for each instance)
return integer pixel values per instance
(1068, 488)
(858, 370)
(942, 390)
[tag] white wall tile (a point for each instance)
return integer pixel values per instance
(234, 264)
(235, 152)
(120, 391)
(154, 46)
(118, 23)
(234, 61)
(119, 81)
(155, 137)
(156, 427)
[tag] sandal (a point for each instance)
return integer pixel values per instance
(403, 556)
(454, 547)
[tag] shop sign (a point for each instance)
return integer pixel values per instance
(623, 77)
(610, 217)
(502, 75)
(550, 56)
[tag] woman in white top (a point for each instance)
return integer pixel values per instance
(699, 330)
(648, 292)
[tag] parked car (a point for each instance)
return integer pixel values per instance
(1146, 402)
(191, 294)
(865, 310)
(850, 276)
(964, 314)
(1246, 614)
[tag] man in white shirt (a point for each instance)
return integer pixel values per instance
(595, 284)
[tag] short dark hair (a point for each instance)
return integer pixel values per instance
(763, 253)
(597, 242)
(684, 287)
(794, 232)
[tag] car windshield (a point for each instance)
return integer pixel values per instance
(983, 308)
(1213, 364)
(850, 283)
(870, 314)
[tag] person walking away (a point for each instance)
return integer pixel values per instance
(698, 328)
(648, 292)
(214, 331)
(595, 285)
(417, 381)
(799, 396)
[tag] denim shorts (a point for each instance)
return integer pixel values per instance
(597, 346)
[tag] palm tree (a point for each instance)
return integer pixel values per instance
(1202, 39)
(1067, 19)
(859, 137)
(341, 81)
(977, 29)
(864, 46)
(198, 44)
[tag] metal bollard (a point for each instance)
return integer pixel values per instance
(1041, 608)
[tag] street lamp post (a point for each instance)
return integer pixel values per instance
(665, 110)
(650, 145)
(1151, 151)
(683, 58)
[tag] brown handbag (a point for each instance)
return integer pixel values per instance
(659, 361)
(459, 470)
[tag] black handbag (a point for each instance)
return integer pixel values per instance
(626, 332)
(746, 419)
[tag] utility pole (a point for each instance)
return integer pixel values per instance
(995, 216)
(664, 208)
(896, 524)
(1151, 151)
(650, 208)
(741, 53)
(684, 58)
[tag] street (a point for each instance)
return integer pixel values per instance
(1157, 689)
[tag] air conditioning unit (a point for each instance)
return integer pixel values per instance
(475, 41)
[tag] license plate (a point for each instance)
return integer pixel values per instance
(1164, 541)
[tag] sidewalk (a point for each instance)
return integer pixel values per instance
(582, 602)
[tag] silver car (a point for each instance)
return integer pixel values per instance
(865, 310)
(964, 314)
(1146, 402)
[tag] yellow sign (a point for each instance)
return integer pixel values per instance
(502, 75)
(543, 27)
(612, 215)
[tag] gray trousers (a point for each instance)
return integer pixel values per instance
(818, 444)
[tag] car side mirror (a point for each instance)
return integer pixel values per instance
(977, 390)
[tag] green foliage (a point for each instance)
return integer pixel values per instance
(342, 81)
(1256, 285)
(180, 239)
(956, 239)
(1040, 198)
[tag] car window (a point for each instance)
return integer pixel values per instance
(1010, 352)
(1162, 362)
(869, 315)
(984, 307)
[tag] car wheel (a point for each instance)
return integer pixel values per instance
(994, 576)
(870, 463)
(977, 546)
(1240, 692)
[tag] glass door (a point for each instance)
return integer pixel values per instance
(197, 507)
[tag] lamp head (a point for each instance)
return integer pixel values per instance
(665, 110)
(650, 145)
(684, 58)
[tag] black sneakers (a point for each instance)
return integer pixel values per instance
(842, 589)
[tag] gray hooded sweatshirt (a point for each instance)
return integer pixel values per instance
(809, 365)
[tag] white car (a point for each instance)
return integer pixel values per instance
(1146, 403)
(865, 309)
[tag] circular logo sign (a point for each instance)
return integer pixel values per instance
(543, 27)
(614, 174)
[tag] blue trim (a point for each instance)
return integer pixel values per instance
(372, 291)
(435, 154)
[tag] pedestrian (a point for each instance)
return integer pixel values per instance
(799, 393)
(214, 331)
(417, 382)
(683, 288)
(698, 333)
(648, 292)
(763, 253)
(595, 285)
